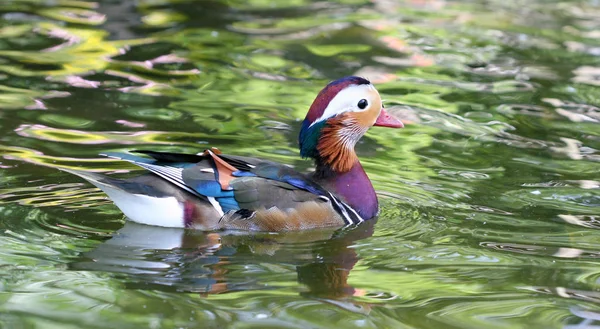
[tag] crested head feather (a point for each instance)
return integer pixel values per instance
(309, 137)
(329, 92)
(338, 117)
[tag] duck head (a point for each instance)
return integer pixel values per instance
(340, 115)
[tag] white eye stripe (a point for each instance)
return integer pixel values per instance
(347, 101)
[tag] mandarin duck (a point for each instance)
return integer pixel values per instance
(212, 191)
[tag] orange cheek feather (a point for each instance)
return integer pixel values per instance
(333, 150)
(367, 118)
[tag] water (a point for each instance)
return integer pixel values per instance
(490, 195)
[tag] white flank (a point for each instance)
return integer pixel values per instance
(347, 100)
(166, 212)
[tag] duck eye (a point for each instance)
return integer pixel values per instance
(362, 104)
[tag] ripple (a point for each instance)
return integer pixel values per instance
(581, 220)
(89, 138)
(560, 252)
(488, 196)
(570, 199)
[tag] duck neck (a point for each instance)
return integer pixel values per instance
(353, 186)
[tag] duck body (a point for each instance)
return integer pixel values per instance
(211, 191)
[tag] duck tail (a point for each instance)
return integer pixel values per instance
(140, 202)
(97, 179)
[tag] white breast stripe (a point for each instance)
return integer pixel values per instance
(357, 216)
(340, 209)
(350, 215)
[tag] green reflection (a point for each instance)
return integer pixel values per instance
(489, 196)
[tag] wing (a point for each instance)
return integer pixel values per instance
(203, 175)
(242, 187)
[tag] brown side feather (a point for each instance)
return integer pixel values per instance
(308, 215)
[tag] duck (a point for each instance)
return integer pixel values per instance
(215, 191)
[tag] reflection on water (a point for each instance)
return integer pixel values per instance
(175, 259)
(489, 196)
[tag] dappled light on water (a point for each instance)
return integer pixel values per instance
(489, 196)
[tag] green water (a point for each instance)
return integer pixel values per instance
(490, 196)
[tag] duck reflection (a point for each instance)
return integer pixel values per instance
(217, 262)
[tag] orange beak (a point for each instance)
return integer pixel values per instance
(386, 120)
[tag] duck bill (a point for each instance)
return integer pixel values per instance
(386, 120)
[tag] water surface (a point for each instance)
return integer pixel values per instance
(490, 196)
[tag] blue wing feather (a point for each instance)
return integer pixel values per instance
(228, 204)
(212, 189)
(241, 173)
(302, 184)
